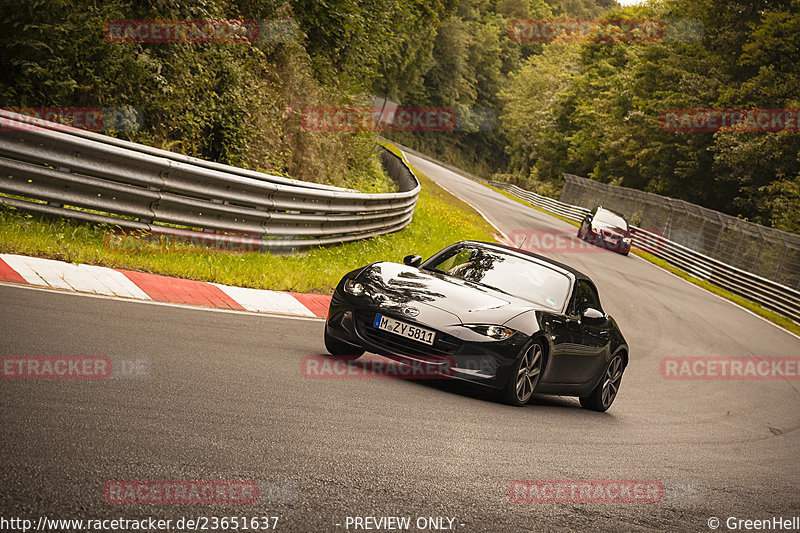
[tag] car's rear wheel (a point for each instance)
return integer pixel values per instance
(601, 398)
(341, 349)
(525, 376)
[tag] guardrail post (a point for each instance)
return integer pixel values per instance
(722, 228)
(699, 232)
(736, 251)
(780, 263)
(760, 248)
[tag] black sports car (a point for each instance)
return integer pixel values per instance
(491, 314)
(607, 230)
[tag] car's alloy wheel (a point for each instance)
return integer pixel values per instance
(611, 382)
(606, 391)
(523, 381)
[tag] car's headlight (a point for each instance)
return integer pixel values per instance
(626, 240)
(495, 332)
(353, 287)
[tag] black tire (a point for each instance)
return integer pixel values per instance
(603, 395)
(582, 232)
(342, 350)
(525, 376)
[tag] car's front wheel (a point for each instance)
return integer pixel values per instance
(341, 349)
(601, 398)
(525, 376)
(582, 231)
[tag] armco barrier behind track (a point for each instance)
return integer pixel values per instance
(766, 252)
(64, 171)
(769, 294)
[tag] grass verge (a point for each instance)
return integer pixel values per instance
(439, 219)
(755, 307)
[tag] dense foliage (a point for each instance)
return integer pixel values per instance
(234, 102)
(526, 111)
(593, 108)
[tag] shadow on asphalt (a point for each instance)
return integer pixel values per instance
(472, 390)
(464, 388)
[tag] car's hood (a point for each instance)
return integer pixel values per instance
(612, 230)
(396, 286)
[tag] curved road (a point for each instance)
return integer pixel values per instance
(222, 397)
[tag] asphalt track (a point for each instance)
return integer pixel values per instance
(223, 398)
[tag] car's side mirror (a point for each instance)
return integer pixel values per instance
(593, 316)
(412, 260)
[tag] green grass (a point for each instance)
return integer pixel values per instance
(755, 307)
(439, 219)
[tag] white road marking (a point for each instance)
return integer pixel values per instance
(165, 304)
(263, 300)
(81, 278)
(114, 283)
(18, 264)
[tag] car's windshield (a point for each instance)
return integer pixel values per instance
(610, 219)
(511, 274)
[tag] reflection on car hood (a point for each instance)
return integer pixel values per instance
(396, 286)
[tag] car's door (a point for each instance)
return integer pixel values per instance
(565, 335)
(587, 354)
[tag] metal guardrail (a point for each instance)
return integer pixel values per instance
(771, 295)
(766, 252)
(54, 169)
(572, 212)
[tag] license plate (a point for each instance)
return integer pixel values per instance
(404, 329)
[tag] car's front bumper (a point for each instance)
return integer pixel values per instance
(487, 363)
(611, 243)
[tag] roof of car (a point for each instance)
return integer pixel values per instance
(601, 208)
(577, 273)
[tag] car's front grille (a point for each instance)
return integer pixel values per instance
(444, 345)
(610, 236)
